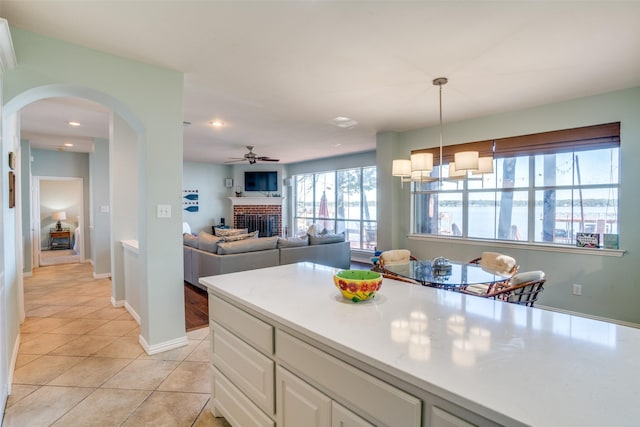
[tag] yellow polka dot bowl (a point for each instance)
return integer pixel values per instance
(358, 285)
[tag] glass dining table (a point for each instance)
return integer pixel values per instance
(455, 278)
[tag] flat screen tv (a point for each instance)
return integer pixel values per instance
(261, 181)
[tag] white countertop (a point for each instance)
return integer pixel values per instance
(536, 366)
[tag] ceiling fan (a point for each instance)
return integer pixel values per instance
(252, 157)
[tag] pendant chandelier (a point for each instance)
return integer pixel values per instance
(420, 166)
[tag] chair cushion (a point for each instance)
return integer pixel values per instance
(247, 245)
(312, 230)
(190, 240)
(480, 289)
(497, 262)
(293, 242)
(236, 237)
(224, 232)
(527, 276)
(322, 239)
(395, 256)
(208, 242)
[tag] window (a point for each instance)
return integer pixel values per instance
(545, 188)
(343, 200)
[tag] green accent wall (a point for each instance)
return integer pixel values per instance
(610, 285)
(149, 99)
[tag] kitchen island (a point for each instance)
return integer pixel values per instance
(288, 350)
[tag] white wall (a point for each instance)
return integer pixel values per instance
(610, 285)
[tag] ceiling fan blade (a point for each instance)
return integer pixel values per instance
(267, 159)
(235, 160)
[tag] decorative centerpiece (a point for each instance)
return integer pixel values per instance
(440, 266)
(358, 285)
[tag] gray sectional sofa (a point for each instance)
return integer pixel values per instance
(202, 263)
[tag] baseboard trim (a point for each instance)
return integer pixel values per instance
(119, 303)
(164, 346)
(132, 312)
(589, 316)
(12, 364)
(102, 275)
(27, 274)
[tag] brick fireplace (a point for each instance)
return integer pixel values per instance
(258, 213)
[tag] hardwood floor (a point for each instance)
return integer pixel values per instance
(196, 307)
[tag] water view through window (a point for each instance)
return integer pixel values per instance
(536, 198)
(338, 201)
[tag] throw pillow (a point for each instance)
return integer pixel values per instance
(312, 230)
(322, 239)
(292, 242)
(224, 232)
(247, 245)
(208, 242)
(190, 240)
(252, 235)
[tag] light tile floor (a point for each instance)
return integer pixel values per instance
(80, 363)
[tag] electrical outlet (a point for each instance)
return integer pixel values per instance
(577, 289)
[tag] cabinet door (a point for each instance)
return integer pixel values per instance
(299, 404)
(441, 418)
(342, 417)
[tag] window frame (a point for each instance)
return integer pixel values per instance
(335, 220)
(572, 141)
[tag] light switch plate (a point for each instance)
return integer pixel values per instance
(104, 209)
(164, 211)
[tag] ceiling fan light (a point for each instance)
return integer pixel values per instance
(422, 162)
(466, 160)
(401, 168)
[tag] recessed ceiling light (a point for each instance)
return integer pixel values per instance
(73, 123)
(216, 123)
(344, 122)
(337, 145)
(68, 144)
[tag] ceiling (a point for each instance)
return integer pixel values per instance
(277, 73)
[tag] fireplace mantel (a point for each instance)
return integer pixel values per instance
(244, 201)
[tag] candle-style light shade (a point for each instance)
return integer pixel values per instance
(455, 173)
(401, 168)
(422, 162)
(466, 160)
(59, 216)
(485, 165)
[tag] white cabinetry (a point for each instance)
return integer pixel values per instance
(249, 387)
(265, 375)
(299, 404)
(342, 417)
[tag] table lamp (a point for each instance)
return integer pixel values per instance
(59, 216)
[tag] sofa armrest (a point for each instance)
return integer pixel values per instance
(331, 254)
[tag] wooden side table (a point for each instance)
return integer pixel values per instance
(59, 239)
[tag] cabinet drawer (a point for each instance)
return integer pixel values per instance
(251, 371)
(235, 406)
(342, 417)
(360, 391)
(249, 328)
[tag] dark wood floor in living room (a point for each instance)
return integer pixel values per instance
(196, 307)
